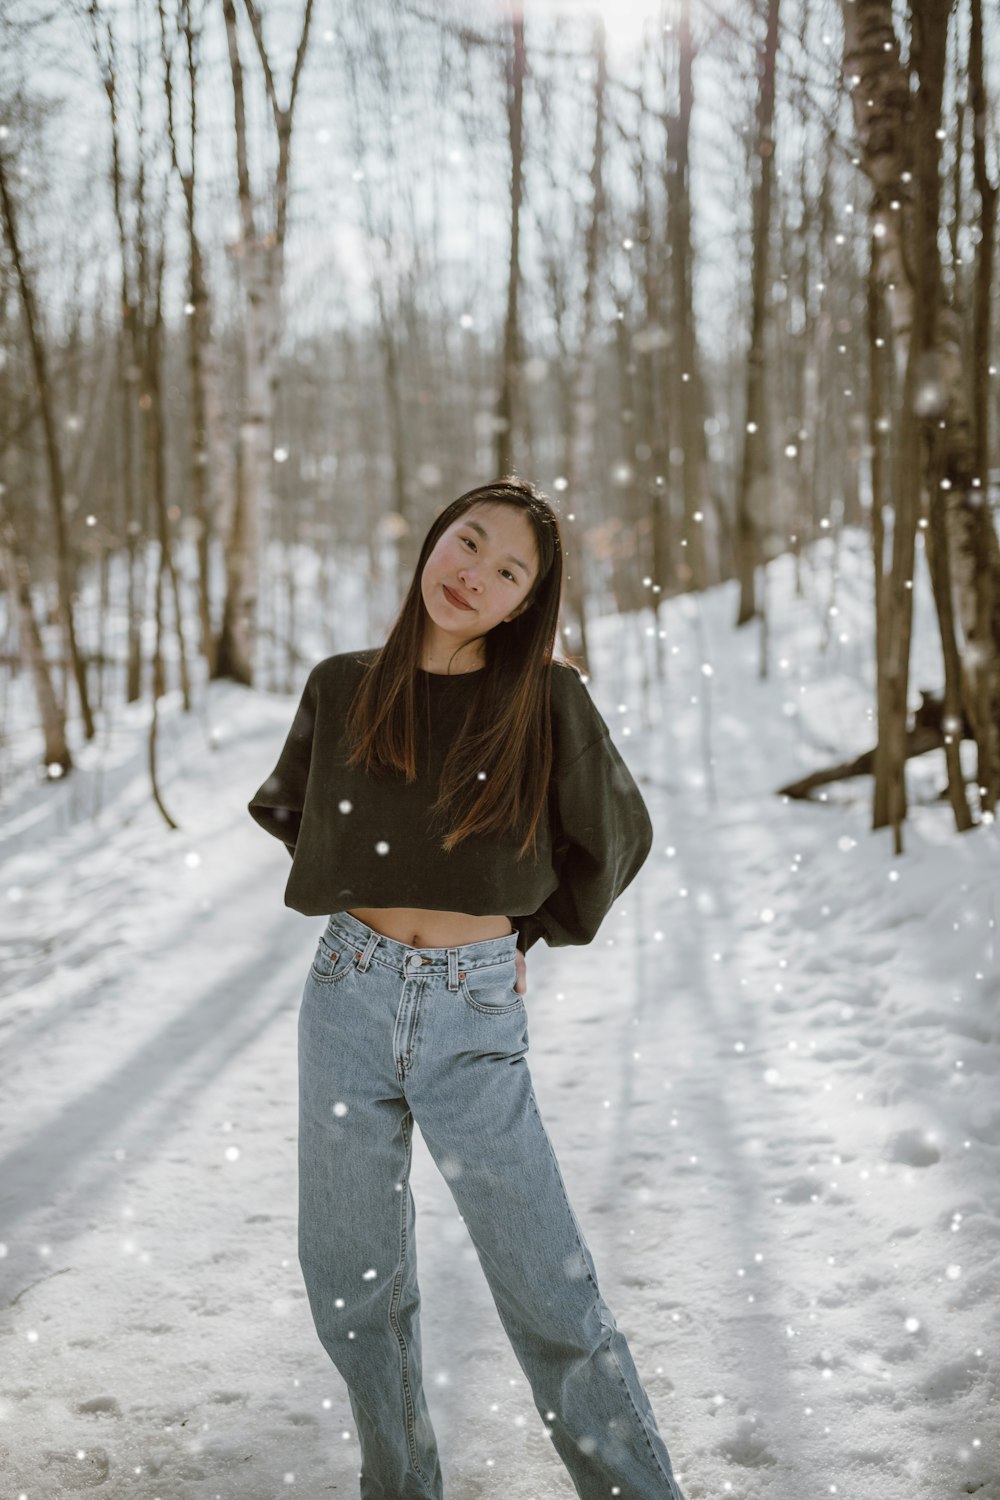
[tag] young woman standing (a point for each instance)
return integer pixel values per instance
(450, 798)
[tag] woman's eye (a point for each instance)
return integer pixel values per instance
(505, 571)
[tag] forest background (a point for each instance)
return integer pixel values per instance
(278, 283)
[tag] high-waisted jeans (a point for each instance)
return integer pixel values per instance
(389, 1034)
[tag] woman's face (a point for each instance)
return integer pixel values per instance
(488, 559)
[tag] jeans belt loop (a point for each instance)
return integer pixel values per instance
(453, 968)
(364, 958)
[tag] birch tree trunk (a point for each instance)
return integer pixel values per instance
(398, 526)
(210, 467)
(129, 363)
(260, 256)
(154, 427)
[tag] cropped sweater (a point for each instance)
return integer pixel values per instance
(360, 841)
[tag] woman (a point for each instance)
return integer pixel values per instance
(450, 798)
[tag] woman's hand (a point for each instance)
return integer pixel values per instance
(521, 987)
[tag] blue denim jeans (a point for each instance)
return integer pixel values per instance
(389, 1034)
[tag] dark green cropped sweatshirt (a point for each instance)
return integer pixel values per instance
(360, 841)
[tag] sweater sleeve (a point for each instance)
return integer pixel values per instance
(277, 805)
(603, 837)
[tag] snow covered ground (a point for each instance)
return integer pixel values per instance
(771, 1082)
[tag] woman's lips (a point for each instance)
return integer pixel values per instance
(454, 599)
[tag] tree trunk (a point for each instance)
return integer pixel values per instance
(209, 473)
(878, 426)
(936, 446)
(56, 751)
(510, 367)
(975, 555)
(655, 558)
(57, 494)
(129, 359)
(155, 429)
(937, 549)
(630, 596)
(753, 460)
(685, 366)
(261, 260)
(583, 403)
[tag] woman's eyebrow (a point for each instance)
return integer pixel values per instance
(475, 526)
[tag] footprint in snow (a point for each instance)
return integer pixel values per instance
(105, 1406)
(913, 1148)
(802, 1190)
(75, 1473)
(746, 1447)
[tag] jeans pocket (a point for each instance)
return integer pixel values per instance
(490, 990)
(331, 964)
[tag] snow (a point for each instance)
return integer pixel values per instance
(771, 1082)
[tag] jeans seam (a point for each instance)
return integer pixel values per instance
(599, 1302)
(639, 1417)
(397, 1287)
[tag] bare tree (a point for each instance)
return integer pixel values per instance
(981, 590)
(509, 365)
(56, 751)
(47, 416)
(879, 427)
(653, 416)
(933, 459)
(387, 285)
(260, 255)
(156, 457)
(685, 370)
(582, 408)
(209, 466)
(753, 462)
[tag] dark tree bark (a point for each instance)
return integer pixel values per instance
(685, 371)
(930, 731)
(900, 152)
(582, 412)
(53, 458)
(753, 458)
(56, 751)
(510, 363)
(879, 395)
(977, 562)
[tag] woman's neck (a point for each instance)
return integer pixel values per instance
(452, 664)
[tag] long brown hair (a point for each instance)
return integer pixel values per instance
(507, 731)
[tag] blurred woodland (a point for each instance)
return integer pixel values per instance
(281, 278)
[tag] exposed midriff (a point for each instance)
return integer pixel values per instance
(420, 928)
